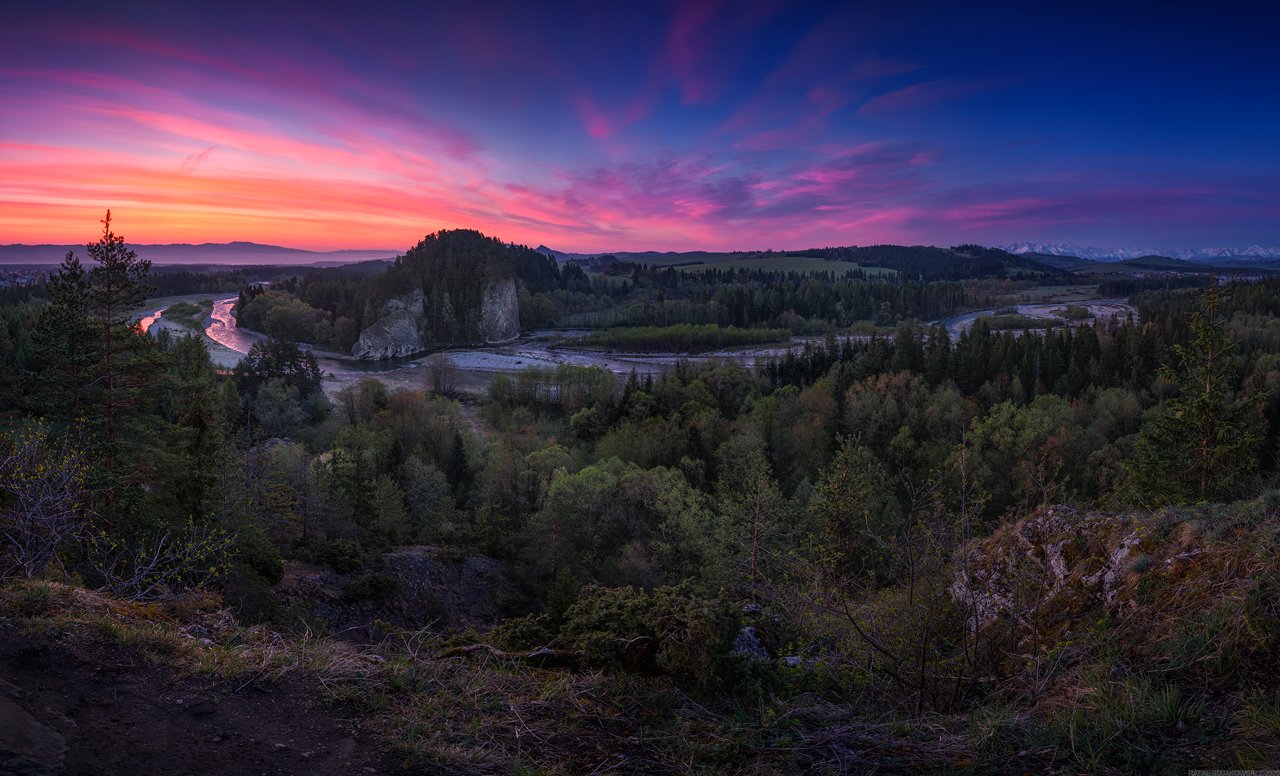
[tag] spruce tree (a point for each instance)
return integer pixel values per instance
(93, 361)
(117, 287)
(1200, 442)
(64, 343)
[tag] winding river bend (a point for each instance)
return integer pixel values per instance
(476, 366)
(223, 330)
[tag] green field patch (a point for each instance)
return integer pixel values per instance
(189, 314)
(806, 264)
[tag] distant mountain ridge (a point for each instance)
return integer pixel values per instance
(238, 252)
(1199, 255)
(1031, 250)
(242, 252)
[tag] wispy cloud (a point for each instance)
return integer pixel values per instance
(926, 94)
(193, 161)
(703, 124)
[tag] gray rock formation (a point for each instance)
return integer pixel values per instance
(500, 312)
(397, 333)
(1055, 563)
(749, 645)
(390, 336)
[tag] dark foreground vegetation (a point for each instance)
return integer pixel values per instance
(1017, 552)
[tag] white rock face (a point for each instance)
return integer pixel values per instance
(391, 336)
(411, 302)
(397, 333)
(500, 312)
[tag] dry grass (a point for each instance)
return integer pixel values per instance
(1157, 658)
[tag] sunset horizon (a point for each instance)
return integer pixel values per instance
(699, 126)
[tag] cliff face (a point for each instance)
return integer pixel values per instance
(500, 312)
(397, 333)
(404, 328)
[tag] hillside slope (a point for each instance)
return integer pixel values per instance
(95, 686)
(1107, 643)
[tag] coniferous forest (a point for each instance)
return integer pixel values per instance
(881, 547)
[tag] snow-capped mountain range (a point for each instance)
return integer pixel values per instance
(1111, 254)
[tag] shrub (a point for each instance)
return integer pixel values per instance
(249, 596)
(342, 555)
(255, 550)
(522, 633)
(669, 631)
(172, 560)
(42, 504)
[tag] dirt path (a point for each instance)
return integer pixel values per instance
(118, 714)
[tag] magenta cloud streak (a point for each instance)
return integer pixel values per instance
(711, 132)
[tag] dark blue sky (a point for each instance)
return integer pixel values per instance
(720, 125)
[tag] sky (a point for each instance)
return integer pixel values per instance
(712, 124)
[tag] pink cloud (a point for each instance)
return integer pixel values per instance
(687, 49)
(193, 161)
(924, 94)
(193, 144)
(796, 135)
(601, 124)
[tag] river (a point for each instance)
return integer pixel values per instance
(145, 323)
(477, 365)
(223, 330)
(1099, 309)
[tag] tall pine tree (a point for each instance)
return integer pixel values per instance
(1199, 443)
(64, 345)
(117, 287)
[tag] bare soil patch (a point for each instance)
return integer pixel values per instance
(120, 714)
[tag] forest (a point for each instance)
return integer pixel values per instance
(1016, 550)
(329, 308)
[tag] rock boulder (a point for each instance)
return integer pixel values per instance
(397, 333)
(391, 336)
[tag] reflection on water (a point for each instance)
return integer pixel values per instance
(1099, 309)
(147, 320)
(385, 365)
(513, 357)
(222, 328)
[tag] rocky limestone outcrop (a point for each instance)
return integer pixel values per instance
(391, 336)
(500, 312)
(1051, 566)
(1061, 583)
(397, 333)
